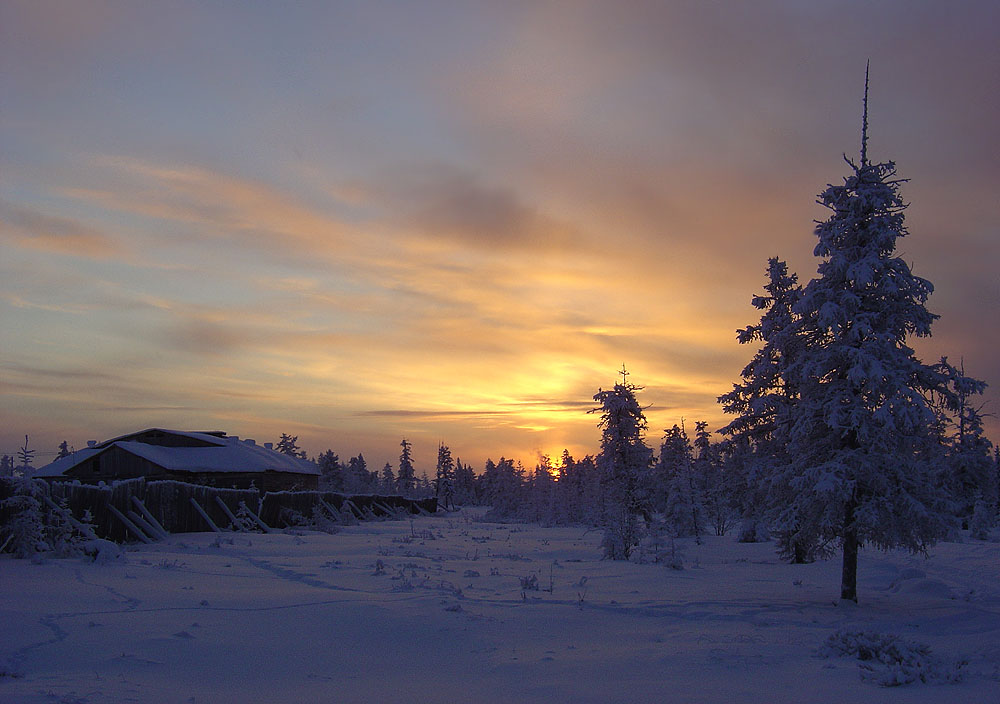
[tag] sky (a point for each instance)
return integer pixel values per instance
(455, 221)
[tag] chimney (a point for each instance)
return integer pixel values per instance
(91, 443)
(269, 445)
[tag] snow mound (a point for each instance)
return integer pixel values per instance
(914, 582)
(103, 551)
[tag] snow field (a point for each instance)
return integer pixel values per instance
(444, 609)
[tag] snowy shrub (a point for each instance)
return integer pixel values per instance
(799, 549)
(64, 539)
(323, 521)
(982, 520)
(753, 531)
(659, 546)
(245, 522)
(890, 661)
(24, 533)
(622, 535)
(102, 551)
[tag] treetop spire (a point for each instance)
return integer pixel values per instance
(864, 121)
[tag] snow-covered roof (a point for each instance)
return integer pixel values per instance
(209, 438)
(59, 466)
(224, 454)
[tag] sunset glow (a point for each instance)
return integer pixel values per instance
(454, 224)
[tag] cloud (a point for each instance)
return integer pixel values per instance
(53, 375)
(204, 204)
(430, 415)
(24, 227)
(446, 202)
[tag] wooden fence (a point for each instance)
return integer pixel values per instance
(190, 508)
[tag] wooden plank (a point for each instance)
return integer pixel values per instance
(358, 513)
(263, 526)
(389, 511)
(129, 524)
(204, 515)
(232, 518)
(334, 513)
(149, 517)
(144, 524)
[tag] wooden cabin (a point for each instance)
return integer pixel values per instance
(209, 458)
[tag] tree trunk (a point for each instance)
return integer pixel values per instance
(849, 575)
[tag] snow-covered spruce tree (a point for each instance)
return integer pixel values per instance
(331, 474)
(624, 463)
(864, 451)
(387, 482)
(24, 533)
(766, 396)
(970, 476)
(678, 490)
(764, 400)
(288, 445)
(503, 488)
(465, 483)
(718, 489)
(444, 478)
(542, 493)
(405, 480)
(357, 478)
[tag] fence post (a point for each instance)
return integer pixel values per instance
(129, 524)
(204, 515)
(149, 517)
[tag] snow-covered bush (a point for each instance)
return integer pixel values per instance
(62, 534)
(890, 661)
(621, 536)
(753, 530)
(102, 551)
(982, 520)
(245, 522)
(799, 549)
(24, 533)
(659, 546)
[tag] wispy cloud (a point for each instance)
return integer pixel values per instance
(24, 227)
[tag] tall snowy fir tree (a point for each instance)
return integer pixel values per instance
(863, 444)
(970, 474)
(444, 478)
(387, 482)
(764, 400)
(624, 463)
(331, 475)
(677, 488)
(288, 445)
(766, 396)
(405, 480)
